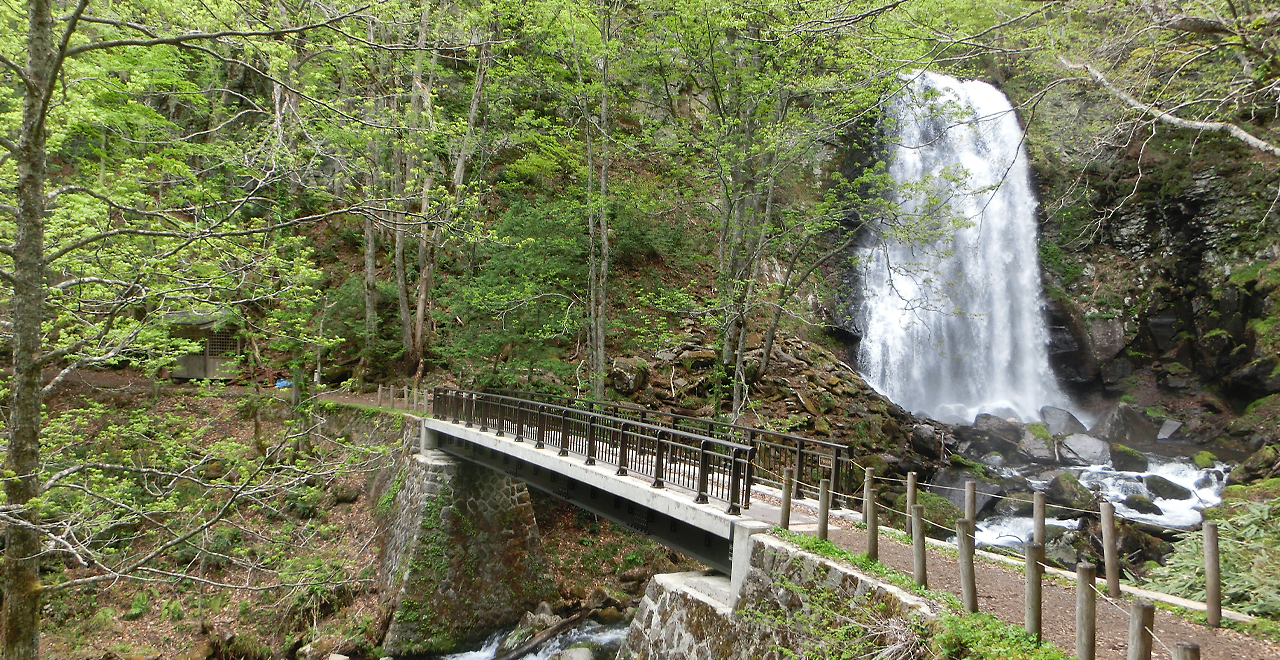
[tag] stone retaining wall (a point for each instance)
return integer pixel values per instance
(460, 550)
(790, 602)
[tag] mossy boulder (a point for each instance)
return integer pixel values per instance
(1066, 490)
(1142, 504)
(1128, 459)
(1164, 489)
(1204, 460)
(1261, 465)
(938, 510)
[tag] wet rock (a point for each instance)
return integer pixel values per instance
(1258, 378)
(1066, 490)
(1163, 328)
(1079, 449)
(1128, 459)
(1116, 370)
(990, 433)
(1168, 429)
(1260, 465)
(576, 653)
(1060, 422)
(1204, 460)
(949, 484)
(1143, 504)
(1164, 489)
(1060, 546)
(607, 615)
(1125, 425)
(600, 599)
(925, 441)
(1035, 448)
(1015, 504)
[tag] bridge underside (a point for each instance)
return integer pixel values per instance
(700, 544)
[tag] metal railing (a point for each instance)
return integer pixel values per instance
(768, 452)
(713, 468)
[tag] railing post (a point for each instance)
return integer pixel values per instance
(659, 465)
(622, 450)
(520, 415)
(824, 507)
(835, 477)
(704, 477)
(502, 418)
(735, 482)
(564, 432)
(484, 412)
(378, 403)
(1086, 611)
(455, 405)
(787, 478)
(1037, 517)
(968, 578)
(911, 495)
(542, 427)
(799, 494)
(1110, 552)
(917, 545)
(1212, 576)
(1142, 617)
(1032, 602)
(591, 440)
(868, 485)
(1186, 651)
(873, 527)
(971, 500)
(471, 409)
(750, 478)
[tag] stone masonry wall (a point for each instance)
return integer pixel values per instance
(791, 601)
(460, 550)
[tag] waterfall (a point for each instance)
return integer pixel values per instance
(953, 326)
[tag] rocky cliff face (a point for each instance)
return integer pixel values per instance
(1160, 253)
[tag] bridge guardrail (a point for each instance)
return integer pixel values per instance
(711, 467)
(774, 451)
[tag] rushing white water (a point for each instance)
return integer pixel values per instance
(954, 327)
(588, 632)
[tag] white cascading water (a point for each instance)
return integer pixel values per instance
(955, 328)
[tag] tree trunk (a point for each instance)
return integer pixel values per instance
(370, 296)
(600, 314)
(21, 609)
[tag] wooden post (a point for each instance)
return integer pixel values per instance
(971, 500)
(824, 507)
(911, 495)
(1186, 651)
(1086, 612)
(968, 578)
(1142, 616)
(1212, 576)
(1031, 618)
(917, 544)
(379, 401)
(868, 482)
(1110, 553)
(873, 527)
(787, 477)
(1038, 517)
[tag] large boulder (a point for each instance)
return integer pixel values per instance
(1125, 425)
(1164, 489)
(1084, 450)
(949, 483)
(1128, 459)
(1143, 504)
(925, 441)
(629, 374)
(1060, 422)
(1066, 490)
(1036, 447)
(1261, 465)
(990, 433)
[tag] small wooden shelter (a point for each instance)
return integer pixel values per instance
(220, 358)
